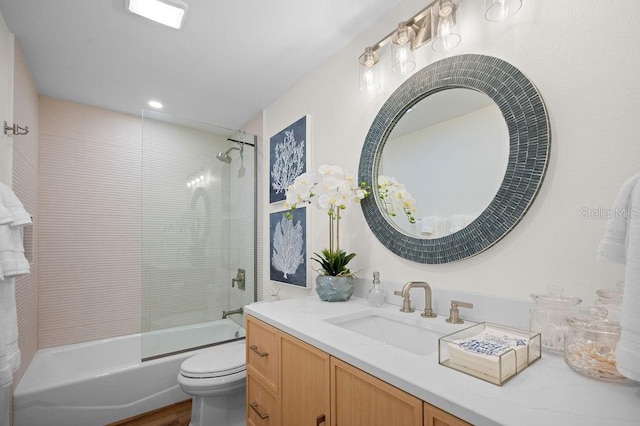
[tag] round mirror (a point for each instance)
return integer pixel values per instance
(452, 180)
(449, 154)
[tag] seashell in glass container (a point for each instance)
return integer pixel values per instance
(590, 345)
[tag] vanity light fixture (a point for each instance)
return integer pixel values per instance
(410, 35)
(438, 23)
(445, 25)
(499, 10)
(401, 52)
(369, 79)
(166, 12)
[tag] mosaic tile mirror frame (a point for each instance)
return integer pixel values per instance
(529, 145)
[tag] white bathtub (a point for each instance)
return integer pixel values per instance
(103, 381)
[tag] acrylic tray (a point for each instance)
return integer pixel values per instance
(490, 352)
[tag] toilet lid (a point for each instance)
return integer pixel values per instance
(217, 361)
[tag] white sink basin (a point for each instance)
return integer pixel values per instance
(409, 332)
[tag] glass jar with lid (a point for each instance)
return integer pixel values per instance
(590, 345)
(550, 316)
(611, 300)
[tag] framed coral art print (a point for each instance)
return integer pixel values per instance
(287, 158)
(288, 247)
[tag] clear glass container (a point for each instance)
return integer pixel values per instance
(550, 316)
(590, 345)
(611, 300)
(376, 295)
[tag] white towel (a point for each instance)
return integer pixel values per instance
(6, 216)
(459, 221)
(10, 201)
(12, 259)
(6, 374)
(613, 248)
(9, 321)
(621, 244)
(428, 224)
(12, 263)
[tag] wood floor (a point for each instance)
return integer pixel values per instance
(178, 414)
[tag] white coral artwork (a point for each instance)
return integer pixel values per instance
(288, 244)
(288, 153)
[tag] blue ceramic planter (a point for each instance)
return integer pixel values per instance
(335, 289)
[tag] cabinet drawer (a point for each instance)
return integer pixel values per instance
(433, 416)
(263, 354)
(263, 408)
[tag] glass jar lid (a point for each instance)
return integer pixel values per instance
(594, 319)
(554, 299)
(612, 294)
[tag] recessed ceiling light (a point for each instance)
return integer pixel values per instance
(166, 12)
(155, 104)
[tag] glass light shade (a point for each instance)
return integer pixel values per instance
(499, 10)
(445, 25)
(369, 73)
(402, 60)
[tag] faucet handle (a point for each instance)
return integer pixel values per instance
(454, 313)
(406, 302)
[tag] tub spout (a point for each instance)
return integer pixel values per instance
(225, 314)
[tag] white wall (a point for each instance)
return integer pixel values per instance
(583, 57)
(6, 101)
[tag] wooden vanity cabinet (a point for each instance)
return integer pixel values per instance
(292, 383)
(263, 374)
(283, 368)
(304, 383)
(358, 398)
(433, 416)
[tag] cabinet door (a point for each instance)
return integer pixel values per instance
(263, 358)
(359, 399)
(433, 416)
(304, 386)
(262, 406)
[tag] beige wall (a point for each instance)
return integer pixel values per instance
(583, 59)
(25, 185)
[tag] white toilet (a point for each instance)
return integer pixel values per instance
(216, 379)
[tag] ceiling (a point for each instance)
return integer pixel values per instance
(230, 60)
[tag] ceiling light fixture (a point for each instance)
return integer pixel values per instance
(166, 12)
(155, 104)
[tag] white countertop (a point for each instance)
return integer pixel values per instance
(546, 393)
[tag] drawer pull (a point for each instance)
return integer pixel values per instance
(254, 405)
(254, 348)
(320, 419)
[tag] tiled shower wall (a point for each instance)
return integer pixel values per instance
(89, 224)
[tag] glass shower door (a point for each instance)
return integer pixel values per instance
(195, 233)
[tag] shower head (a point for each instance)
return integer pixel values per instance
(224, 156)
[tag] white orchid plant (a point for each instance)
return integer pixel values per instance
(330, 189)
(396, 197)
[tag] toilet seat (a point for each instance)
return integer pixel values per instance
(218, 361)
